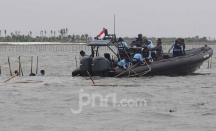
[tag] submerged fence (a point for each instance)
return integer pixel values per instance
(69, 47)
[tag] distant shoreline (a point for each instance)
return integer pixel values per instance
(59, 43)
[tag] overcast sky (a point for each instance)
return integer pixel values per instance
(160, 18)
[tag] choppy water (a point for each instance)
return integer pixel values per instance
(40, 107)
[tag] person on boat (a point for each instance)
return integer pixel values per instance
(148, 43)
(138, 58)
(82, 53)
(178, 48)
(122, 44)
(125, 64)
(16, 72)
(147, 54)
(42, 73)
(158, 49)
(183, 44)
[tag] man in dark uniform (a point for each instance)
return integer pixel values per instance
(178, 48)
(158, 49)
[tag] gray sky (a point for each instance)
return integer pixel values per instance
(161, 18)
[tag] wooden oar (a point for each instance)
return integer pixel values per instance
(127, 69)
(10, 78)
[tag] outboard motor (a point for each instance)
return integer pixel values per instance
(100, 66)
(85, 65)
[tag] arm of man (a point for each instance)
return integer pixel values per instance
(149, 55)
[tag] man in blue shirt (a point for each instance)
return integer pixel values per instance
(125, 64)
(42, 73)
(122, 44)
(148, 43)
(147, 54)
(178, 48)
(82, 53)
(138, 58)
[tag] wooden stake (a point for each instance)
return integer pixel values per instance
(10, 78)
(37, 66)
(211, 63)
(91, 78)
(76, 61)
(19, 65)
(31, 63)
(0, 70)
(9, 65)
(208, 63)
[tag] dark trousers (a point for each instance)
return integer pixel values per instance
(177, 53)
(135, 62)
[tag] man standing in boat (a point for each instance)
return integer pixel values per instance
(158, 48)
(178, 48)
(183, 44)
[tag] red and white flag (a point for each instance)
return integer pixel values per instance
(101, 35)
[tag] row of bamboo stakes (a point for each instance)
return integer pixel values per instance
(20, 68)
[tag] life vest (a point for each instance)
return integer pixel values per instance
(145, 54)
(177, 46)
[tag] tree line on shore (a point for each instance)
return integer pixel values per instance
(64, 37)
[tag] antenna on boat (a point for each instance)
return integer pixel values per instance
(114, 23)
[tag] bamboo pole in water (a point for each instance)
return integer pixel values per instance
(208, 63)
(10, 78)
(0, 69)
(76, 61)
(31, 63)
(37, 66)
(19, 65)
(211, 63)
(9, 65)
(91, 78)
